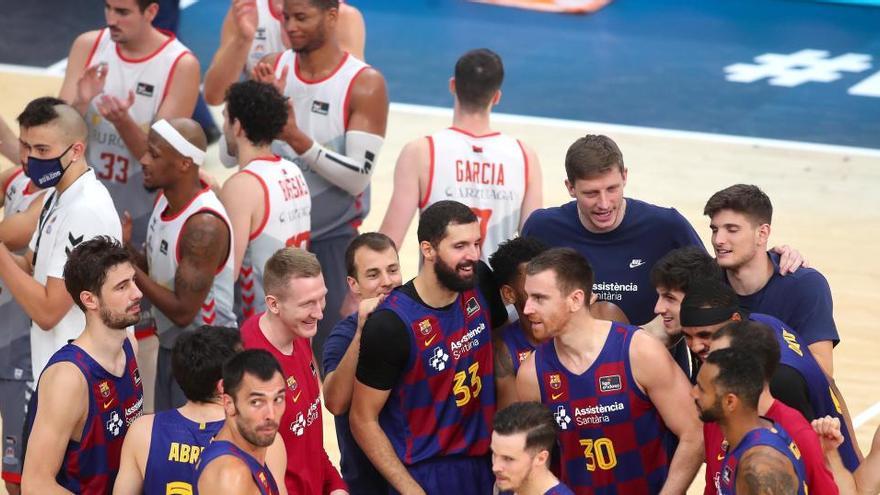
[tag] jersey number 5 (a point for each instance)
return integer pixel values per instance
(178, 488)
(599, 453)
(465, 392)
(114, 168)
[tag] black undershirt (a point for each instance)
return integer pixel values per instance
(789, 387)
(385, 345)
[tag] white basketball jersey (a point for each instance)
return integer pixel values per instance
(487, 173)
(269, 36)
(286, 222)
(15, 341)
(321, 109)
(114, 165)
(162, 256)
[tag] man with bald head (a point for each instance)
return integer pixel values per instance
(187, 270)
(53, 138)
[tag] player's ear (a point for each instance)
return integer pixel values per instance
(763, 233)
(497, 98)
(452, 86)
(427, 250)
(89, 300)
(623, 174)
(151, 11)
(570, 187)
(507, 294)
(576, 300)
(353, 285)
(541, 459)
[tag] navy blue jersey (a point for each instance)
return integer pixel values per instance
(357, 470)
(218, 448)
(517, 344)
(559, 489)
(795, 354)
(801, 299)
(621, 259)
(175, 445)
(90, 466)
(776, 438)
(612, 439)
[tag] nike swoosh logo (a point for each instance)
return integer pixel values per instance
(636, 263)
(432, 339)
(556, 396)
(109, 403)
(721, 456)
(296, 397)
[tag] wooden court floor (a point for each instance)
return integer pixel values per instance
(826, 205)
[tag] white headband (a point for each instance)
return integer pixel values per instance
(178, 142)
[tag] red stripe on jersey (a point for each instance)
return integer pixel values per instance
(169, 34)
(94, 48)
(253, 235)
(525, 166)
(424, 200)
(316, 81)
(345, 107)
(171, 76)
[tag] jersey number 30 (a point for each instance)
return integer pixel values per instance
(599, 453)
(465, 392)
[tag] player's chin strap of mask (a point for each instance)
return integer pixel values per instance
(352, 170)
(178, 142)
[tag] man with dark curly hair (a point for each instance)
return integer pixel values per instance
(268, 200)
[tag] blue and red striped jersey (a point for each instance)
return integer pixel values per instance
(90, 466)
(796, 354)
(517, 344)
(175, 446)
(778, 439)
(445, 400)
(612, 440)
(218, 448)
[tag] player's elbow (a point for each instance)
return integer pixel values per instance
(48, 320)
(183, 317)
(36, 484)
(214, 92)
(335, 402)
(357, 185)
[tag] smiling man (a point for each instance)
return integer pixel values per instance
(426, 357)
(740, 218)
(295, 299)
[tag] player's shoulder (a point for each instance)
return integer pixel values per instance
(228, 471)
(652, 214)
(345, 327)
(62, 377)
(87, 40)
(551, 217)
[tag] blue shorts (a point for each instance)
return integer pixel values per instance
(459, 475)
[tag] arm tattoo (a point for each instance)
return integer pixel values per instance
(503, 360)
(203, 246)
(764, 471)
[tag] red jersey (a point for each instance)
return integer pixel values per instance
(819, 478)
(309, 470)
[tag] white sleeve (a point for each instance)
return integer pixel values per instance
(351, 171)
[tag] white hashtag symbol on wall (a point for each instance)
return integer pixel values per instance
(797, 68)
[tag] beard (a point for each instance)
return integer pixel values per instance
(711, 414)
(252, 436)
(449, 278)
(119, 321)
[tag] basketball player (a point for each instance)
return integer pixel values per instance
(426, 358)
(758, 340)
(740, 218)
(21, 201)
(90, 391)
(53, 144)
(496, 175)
(761, 458)
(340, 111)
(161, 450)
(295, 294)
(671, 276)
(621, 237)
(607, 384)
(267, 200)
(798, 381)
(187, 269)
(373, 271)
(515, 341)
(866, 479)
(122, 78)
(523, 436)
(253, 400)
(253, 29)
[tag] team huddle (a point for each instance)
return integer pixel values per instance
(166, 334)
